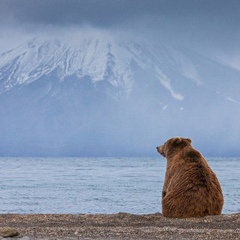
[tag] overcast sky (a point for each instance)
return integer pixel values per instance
(197, 23)
(111, 13)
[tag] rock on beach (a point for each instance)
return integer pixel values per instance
(6, 232)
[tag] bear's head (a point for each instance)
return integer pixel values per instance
(173, 146)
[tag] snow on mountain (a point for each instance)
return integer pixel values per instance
(99, 96)
(98, 59)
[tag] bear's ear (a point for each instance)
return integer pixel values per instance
(178, 140)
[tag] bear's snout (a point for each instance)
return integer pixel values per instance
(160, 150)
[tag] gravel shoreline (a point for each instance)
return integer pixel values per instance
(120, 226)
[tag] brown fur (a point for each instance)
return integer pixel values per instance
(191, 188)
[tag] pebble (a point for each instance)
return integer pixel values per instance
(8, 232)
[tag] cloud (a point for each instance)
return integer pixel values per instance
(98, 13)
(206, 26)
(109, 13)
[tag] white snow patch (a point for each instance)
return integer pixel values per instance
(186, 66)
(165, 107)
(166, 82)
(190, 72)
(232, 100)
(230, 60)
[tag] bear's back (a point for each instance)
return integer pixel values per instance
(193, 190)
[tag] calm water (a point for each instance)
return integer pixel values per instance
(97, 185)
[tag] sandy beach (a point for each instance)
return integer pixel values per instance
(120, 226)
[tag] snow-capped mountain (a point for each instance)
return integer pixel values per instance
(91, 58)
(61, 97)
(97, 59)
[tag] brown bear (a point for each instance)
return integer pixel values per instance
(191, 188)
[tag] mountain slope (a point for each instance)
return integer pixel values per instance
(97, 59)
(99, 96)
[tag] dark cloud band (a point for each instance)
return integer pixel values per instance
(107, 13)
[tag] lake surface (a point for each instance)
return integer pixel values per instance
(98, 185)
